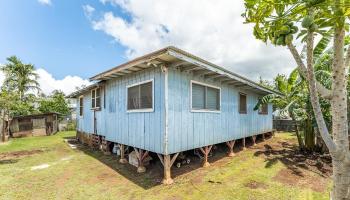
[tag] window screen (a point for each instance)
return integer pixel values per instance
(198, 96)
(213, 98)
(205, 97)
(96, 98)
(263, 109)
(81, 106)
(242, 103)
(140, 96)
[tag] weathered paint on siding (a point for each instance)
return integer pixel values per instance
(138, 129)
(189, 130)
(85, 122)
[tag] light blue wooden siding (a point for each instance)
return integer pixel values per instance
(189, 130)
(138, 129)
(85, 122)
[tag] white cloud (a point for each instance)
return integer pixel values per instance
(68, 84)
(213, 30)
(88, 10)
(45, 2)
(48, 83)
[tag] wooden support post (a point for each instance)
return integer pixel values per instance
(230, 145)
(243, 143)
(122, 154)
(254, 139)
(141, 155)
(167, 161)
(263, 136)
(206, 152)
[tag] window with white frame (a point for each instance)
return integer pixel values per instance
(205, 97)
(96, 98)
(140, 96)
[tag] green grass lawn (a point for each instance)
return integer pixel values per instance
(50, 169)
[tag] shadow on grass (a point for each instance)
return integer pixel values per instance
(154, 173)
(8, 161)
(295, 160)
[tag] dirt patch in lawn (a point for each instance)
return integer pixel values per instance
(314, 182)
(255, 185)
(304, 169)
(19, 154)
(296, 161)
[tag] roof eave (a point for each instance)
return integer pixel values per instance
(187, 57)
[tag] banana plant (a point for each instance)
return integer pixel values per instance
(290, 103)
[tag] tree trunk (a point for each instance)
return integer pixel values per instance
(339, 145)
(309, 135)
(300, 140)
(341, 169)
(2, 125)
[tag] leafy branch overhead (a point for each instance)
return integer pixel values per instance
(278, 20)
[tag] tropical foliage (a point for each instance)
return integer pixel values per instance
(56, 102)
(19, 95)
(282, 22)
(20, 77)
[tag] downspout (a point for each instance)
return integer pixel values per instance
(166, 109)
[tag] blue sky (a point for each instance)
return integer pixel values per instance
(57, 37)
(71, 40)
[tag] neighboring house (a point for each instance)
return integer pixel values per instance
(34, 125)
(170, 101)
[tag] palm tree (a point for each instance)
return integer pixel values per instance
(20, 77)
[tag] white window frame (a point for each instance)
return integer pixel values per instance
(81, 97)
(95, 108)
(204, 110)
(143, 109)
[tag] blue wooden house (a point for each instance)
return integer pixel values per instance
(171, 101)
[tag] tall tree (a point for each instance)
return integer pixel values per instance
(275, 21)
(20, 77)
(56, 102)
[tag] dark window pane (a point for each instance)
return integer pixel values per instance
(133, 97)
(81, 106)
(146, 95)
(198, 96)
(93, 95)
(263, 109)
(98, 92)
(242, 103)
(213, 99)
